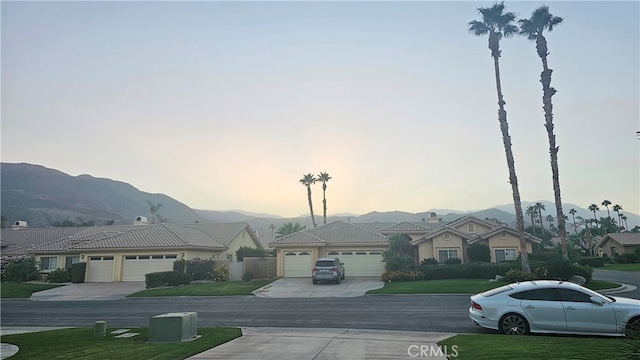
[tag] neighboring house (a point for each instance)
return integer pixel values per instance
(128, 252)
(360, 245)
(619, 243)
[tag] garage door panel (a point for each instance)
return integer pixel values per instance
(135, 267)
(297, 264)
(359, 262)
(100, 269)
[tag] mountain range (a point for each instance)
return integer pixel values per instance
(42, 196)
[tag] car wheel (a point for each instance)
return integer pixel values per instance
(633, 328)
(343, 275)
(514, 324)
(315, 281)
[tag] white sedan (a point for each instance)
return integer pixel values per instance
(546, 306)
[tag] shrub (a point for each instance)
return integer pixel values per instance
(628, 258)
(541, 273)
(78, 271)
(430, 261)
(453, 261)
(246, 251)
(179, 265)
(584, 271)
(166, 278)
(591, 261)
(637, 252)
(484, 270)
(515, 275)
(59, 276)
(398, 262)
(247, 277)
(199, 269)
(564, 269)
(544, 255)
(399, 276)
(219, 273)
(432, 272)
(25, 269)
(479, 253)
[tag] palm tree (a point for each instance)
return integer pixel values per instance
(617, 208)
(308, 180)
(153, 209)
(573, 212)
(288, 228)
(533, 28)
(540, 206)
(498, 24)
(550, 219)
(324, 178)
(272, 227)
(623, 217)
(531, 211)
(594, 208)
(606, 204)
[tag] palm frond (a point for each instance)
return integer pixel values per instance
(478, 28)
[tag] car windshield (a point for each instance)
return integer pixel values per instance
(325, 263)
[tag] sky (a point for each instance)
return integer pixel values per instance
(225, 105)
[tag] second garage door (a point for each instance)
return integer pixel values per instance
(359, 262)
(297, 264)
(134, 267)
(100, 269)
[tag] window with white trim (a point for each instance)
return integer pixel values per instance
(471, 228)
(48, 263)
(505, 255)
(444, 254)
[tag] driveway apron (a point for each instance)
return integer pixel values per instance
(89, 291)
(304, 288)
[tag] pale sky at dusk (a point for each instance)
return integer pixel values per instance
(225, 105)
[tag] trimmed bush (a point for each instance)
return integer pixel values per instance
(515, 275)
(432, 272)
(247, 277)
(453, 261)
(199, 269)
(21, 270)
(175, 278)
(59, 276)
(591, 261)
(246, 251)
(479, 253)
(430, 261)
(637, 252)
(400, 276)
(78, 271)
(179, 265)
(544, 255)
(584, 271)
(166, 278)
(219, 273)
(628, 258)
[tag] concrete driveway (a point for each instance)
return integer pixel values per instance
(89, 291)
(319, 344)
(304, 288)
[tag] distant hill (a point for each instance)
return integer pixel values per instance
(42, 196)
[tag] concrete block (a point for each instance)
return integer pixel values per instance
(100, 329)
(173, 327)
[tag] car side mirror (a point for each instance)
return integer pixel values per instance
(596, 300)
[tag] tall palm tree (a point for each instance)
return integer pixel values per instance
(540, 206)
(616, 209)
(623, 217)
(531, 211)
(308, 180)
(573, 214)
(533, 29)
(153, 209)
(272, 227)
(288, 228)
(606, 204)
(324, 178)
(498, 24)
(594, 208)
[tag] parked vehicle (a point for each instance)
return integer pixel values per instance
(328, 269)
(545, 306)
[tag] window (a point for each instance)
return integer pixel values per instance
(545, 294)
(173, 256)
(471, 228)
(375, 253)
(573, 296)
(332, 253)
(48, 263)
(347, 253)
(230, 257)
(505, 255)
(157, 256)
(70, 260)
(444, 254)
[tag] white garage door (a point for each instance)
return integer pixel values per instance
(100, 269)
(359, 262)
(297, 264)
(134, 267)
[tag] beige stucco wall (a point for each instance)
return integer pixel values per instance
(425, 250)
(480, 229)
(242, 239)
(454, 242)
(607, 245)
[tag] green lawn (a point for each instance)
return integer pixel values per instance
(508, 347)
(458, 286)
(80, 343)
(621, 267)
(207, 289)
(22, 290)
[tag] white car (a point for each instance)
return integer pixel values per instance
(546, 306)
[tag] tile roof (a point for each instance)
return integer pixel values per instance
(625, 239)
(24, 239)
(406, 226)
(222, 232)
(337, 232)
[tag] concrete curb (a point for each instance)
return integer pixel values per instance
(622, 288)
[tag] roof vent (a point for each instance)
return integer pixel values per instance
(19, 225)
(140, 220)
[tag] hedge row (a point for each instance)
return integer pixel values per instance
(166, 278)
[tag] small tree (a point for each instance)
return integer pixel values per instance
(401, 254)
(247, 251)
(21, 270)
(479, 253)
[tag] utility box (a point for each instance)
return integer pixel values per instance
(173, 327)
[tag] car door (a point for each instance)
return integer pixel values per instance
(543, 308)
(584, 316)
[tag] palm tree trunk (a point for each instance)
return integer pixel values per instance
(547, 93)
(541, 220)
(313, 219)
(513, 179)
(324, 203)
(575, 227)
